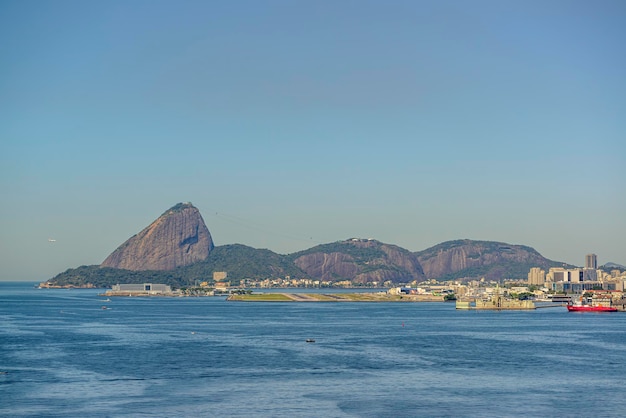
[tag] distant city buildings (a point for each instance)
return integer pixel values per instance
(536, 276)
(591, 261)
(576, 280)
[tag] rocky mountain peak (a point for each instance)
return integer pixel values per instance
(178, 237)
(470, 258)
(359, 260)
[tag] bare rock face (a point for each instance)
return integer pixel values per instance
(328, 266)
(494, 260)
(179, 237)
(361, 261)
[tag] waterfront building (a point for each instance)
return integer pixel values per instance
(580, 280)
(497, 301)
(222, 286)
(560, 274)
(574, 280)
(573, 287)
(143, 288)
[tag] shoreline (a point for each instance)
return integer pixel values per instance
(332, 297)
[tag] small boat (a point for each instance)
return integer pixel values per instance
(310, 340)
(590, 308)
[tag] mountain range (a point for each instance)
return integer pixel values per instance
(177, 249)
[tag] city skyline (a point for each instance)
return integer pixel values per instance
(294, 124)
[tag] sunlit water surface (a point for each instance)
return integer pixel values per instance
(61, 354)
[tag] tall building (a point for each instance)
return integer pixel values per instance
(591, 261)
(536, 276)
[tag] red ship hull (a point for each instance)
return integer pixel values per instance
(587, 308)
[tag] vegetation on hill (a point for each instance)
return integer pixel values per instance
(107, 277)
(243, 262)
(609, 267)
(360, 261)
(486, 247)
(361, 254)
(239, 261)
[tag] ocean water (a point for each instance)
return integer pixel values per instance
(62, 355)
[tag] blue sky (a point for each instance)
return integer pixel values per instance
(294, 123)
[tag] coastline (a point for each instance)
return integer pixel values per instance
(332, 297)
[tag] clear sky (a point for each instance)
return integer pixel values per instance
(293, 123)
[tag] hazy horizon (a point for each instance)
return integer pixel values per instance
(290, 124)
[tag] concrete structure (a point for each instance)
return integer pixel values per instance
(560, 274)
(219, 276)
(573, 287)
(590, 275)
(591, 261)
(463, 304)
(536, 276)
(496, 301)
(578, 280)
(141, 289)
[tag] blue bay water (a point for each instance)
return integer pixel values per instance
(66, 356)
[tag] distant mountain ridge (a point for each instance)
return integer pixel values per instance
(611, 266)
(177, 249)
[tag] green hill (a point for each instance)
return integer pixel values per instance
(239, 261)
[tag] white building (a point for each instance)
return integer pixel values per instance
(150, 288)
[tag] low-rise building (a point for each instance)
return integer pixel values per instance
(141, 289)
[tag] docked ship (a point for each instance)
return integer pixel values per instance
(588, 305)
(590, 308)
